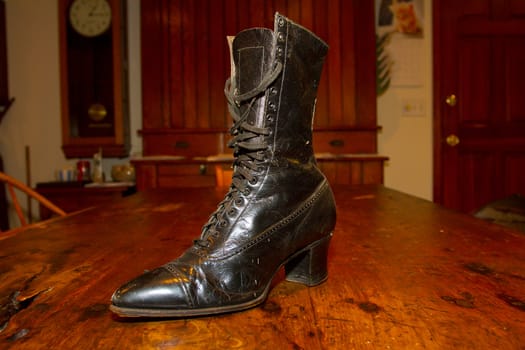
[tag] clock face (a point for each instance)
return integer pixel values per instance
(90, 17)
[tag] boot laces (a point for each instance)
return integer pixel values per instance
(249, 153)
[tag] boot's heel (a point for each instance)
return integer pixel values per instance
(310, 266)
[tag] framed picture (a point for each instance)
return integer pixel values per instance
(401, 16)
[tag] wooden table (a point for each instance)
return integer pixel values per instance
(73, 196)
(403, 273)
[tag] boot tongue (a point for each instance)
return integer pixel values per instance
(251, 54)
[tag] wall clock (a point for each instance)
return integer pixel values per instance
(93, 77)
(90, 17)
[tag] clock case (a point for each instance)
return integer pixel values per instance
(93, 73)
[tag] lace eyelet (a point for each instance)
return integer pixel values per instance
(246, 191)
(232, 212)
(273, 90)
(253, 180)
(239, 201)
(223, 223)
(201, 244)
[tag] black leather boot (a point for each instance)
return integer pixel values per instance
(279, 209)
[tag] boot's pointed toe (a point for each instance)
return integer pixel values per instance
(151, 293)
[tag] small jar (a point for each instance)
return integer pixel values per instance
(83, 170)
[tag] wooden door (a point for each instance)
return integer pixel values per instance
(479, 101)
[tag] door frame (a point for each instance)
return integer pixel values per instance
(437, 107)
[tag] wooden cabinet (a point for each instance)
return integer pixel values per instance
(185, 62)
(352, 169)
(172, 172)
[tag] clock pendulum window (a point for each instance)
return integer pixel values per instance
(94, 78)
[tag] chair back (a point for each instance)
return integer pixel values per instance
(12, 184)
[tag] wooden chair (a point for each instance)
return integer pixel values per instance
(12, 183)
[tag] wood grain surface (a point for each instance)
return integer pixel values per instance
(403, 273)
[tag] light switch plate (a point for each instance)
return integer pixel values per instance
(413, 107)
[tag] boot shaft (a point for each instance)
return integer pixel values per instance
(287, 105)
(271, 96)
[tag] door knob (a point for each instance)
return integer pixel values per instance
(452, 140)
(451, 100)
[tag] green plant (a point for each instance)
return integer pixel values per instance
(383, 63)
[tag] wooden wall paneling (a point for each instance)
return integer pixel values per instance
(190, 73)
(155, 77)
(257, 13)
(230, 29)
(293, 10)
(189, 76)
(333, 65)
(322, 107)
(202, 62)
(219, 58)
(174, 66)
(243, 15)
(348, 64)
(307, 13)
(365, 75)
